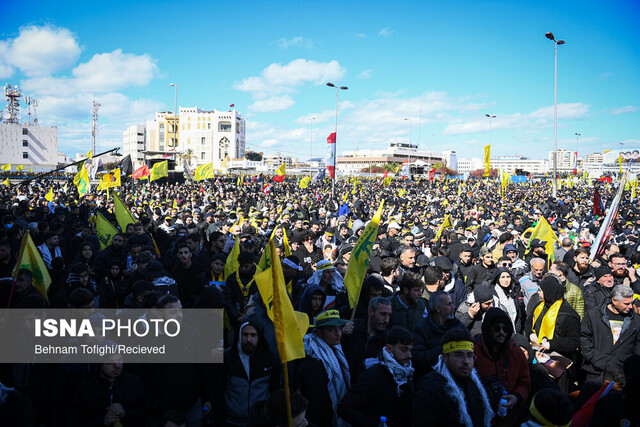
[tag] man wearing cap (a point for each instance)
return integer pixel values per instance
(518, 266)
(393, 231)
(472, 311)
(323, 375)
(598, 289)
(308, 253)
(328, 239)
(454, 286)
(451, 394)
(482, 271)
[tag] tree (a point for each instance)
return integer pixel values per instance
(253, 156)
(479, 172)
(187, 155)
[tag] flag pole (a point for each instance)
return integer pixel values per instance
(276, 313)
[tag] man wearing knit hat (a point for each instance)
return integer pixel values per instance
(598, 289)
(471, 312)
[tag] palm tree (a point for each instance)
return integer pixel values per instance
(187, 155)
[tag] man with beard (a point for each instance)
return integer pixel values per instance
(239, 286)
(538, 250)
(501, 362)
(249, 374)
(430, 330)
(385, 389)
(407, 258)
(308, 254)
(482, 271)
(623, 275)
(114, 251)
(451, 394)
(367, 338)
(407, 308)
(581, 270)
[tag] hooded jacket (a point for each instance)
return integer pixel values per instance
(513, 293)
(596, 339)
(244, 380)
(514, 372)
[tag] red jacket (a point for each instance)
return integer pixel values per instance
(515, 377)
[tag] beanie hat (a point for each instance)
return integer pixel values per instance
(482, 293)
(601, 271)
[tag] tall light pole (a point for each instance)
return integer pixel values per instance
(490, 124)
(577, 147)
(550, 36)
(335, 160)
(311, 139)
(175, 117)
(410, 142)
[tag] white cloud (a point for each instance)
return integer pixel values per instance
(39, 51)
(272, 105)
(298, 41)
(115, 70)
(386, 32)
(624, 110)
(365, 74)
(268, 143)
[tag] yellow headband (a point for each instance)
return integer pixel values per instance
(457, 345)
(538, 416)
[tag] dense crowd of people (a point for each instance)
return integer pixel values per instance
(475, 324)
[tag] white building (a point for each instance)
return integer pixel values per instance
(133, 144)
(566, 160)
(594, 158)
(353, 161)
(510, 164)
(210, 136)
(29, 145)
(450, 159)
(468, 165)
(273, 161)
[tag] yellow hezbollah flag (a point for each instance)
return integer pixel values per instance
(290, 326)
(30, 259)
(20, 168)
(360, 256)
(159, 170)
(49, 195)
(487, 160)
(447, 223)
(544, 232)
(6, 167)
(105, 181)
(90, 154)
(204, 172)
(116, 180)
(123, 215)
(232, 259)
(6, 182)
(105, 231)
(304, 182)
(81, 180)
(285, 243)
(386, 181)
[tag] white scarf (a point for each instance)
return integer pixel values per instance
(335, 363)
(47, 256)
(401, 373)
(508, 304)
(457, 394)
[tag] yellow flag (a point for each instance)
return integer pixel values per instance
(6, 167)
(447, 223)
(123, 215)
(360, 256)
(290, 326)
(90, 154)
(105, 231)
(175, 204)
(81, 180)
(401, 192)
(204, 172)
(304, 182)
(159, 170)
(116, 180)
(104, 181)
(281, 171)
(6, 182)
(285, 243)
(386, 181)
(49, 195)
(232, 259)
(505, 179)
(544, 232)
(487, 160)
(29, 258)
(20, 168)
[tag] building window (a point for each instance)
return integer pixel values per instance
(25, 143)
(203, 140)
(25, 131)
(209, 124)
(161, 134)
(224, 127)
(25, 155)
(202, 155)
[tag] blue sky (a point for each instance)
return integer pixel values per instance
(443, 65)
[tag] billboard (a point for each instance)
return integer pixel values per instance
(629, 155)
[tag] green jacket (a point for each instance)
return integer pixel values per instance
(573, 295)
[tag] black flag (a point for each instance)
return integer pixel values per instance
(126, 168)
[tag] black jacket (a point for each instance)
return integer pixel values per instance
(374, 396)
(428, 346)
(359, 346)
(596, 339)
(477, 275)
(312, 381)
(566, 335)
(595, 294)
(579, 279)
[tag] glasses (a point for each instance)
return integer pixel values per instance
(498, 328)
(463, 355)
(620, 264)
(506, 264)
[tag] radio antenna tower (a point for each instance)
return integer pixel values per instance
(13, 95)
(34, 104)
(94, 125)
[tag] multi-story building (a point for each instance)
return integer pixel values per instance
(566, 160)
(450, 159)
(510, 164)
(273, 161)
(31, 145)
(594, 158)
(353, 161)
(208, 136)
(468, 165)
(133, 143)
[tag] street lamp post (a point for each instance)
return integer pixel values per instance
(410, 142)
(335, 160)
(550, 36)
(577, 147)
(175, 116)
(490, 123)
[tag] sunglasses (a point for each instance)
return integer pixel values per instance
(499, 327)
